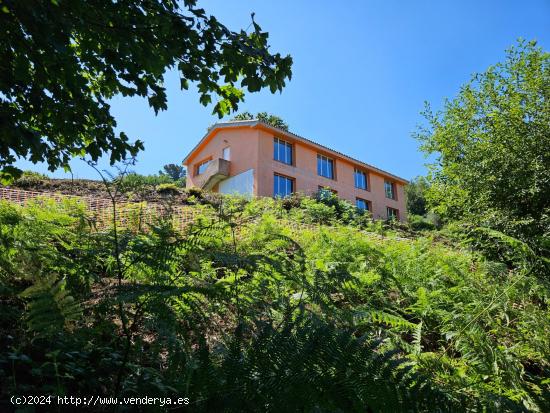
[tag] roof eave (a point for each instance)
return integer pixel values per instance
(334, 152)
(214, 127)
(255, 122)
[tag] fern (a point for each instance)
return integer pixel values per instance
(417, 339)
(313, 366)
(248, 314)
(50, 308)
(382, 317)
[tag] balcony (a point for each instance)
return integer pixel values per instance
(216, 171)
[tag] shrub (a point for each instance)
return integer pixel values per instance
(182, 182)
(169, 188)
(134, 182)
(361, 218)
(294, 200)
(30, 179)
(318, 212)
(196, 192)
(420, 223)
(345, 211)
(434, 219)
(213, 199)
(242, 307)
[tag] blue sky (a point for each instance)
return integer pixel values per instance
(362, 70)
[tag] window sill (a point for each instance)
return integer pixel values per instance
(284, 163)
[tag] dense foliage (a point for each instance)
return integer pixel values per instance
(415, 192)
(137, 183)
(176, 172)
(252, 309)
(62, 60)
(268, 118)
(492, 145)
(419, 216)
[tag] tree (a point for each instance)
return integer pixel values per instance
(61, 61)
(492, 148)
(268, 118)
(416, 196)
(174, 171)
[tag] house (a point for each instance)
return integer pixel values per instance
(252, 157)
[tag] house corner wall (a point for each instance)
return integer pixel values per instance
(243, 143)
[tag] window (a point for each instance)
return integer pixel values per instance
(362, 204)
(282, 186)
(389, 187)
(282, 151)
(361, 181)
(226, 154)
(202, 166)
(325, 167)
(392, 213)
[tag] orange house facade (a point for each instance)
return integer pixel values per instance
(253, 158)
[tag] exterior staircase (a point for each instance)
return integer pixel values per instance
(216, 171)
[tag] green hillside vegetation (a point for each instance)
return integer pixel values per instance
(490, 149)
(257, 307)
(302, 304)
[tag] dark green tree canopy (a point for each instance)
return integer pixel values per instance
(416, 196)
(268, 118)
(492, 144)
(61, 60)
(173, 171)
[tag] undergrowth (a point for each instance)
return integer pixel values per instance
(249, 309)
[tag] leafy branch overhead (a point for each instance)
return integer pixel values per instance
(61, 61)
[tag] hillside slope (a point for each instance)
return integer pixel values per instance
(270, 305)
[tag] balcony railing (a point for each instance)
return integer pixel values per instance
(216, 171)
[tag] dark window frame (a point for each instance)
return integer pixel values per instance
(367, 204)
(357, 171)
(289, 178)
(393, 190)
(329, 161)
(395, 213)
(277, 142)
(201, 163)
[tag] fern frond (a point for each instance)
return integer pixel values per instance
(383, 317)
(50, 307)
(417, 339)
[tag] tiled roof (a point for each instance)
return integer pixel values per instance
(254, 122)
